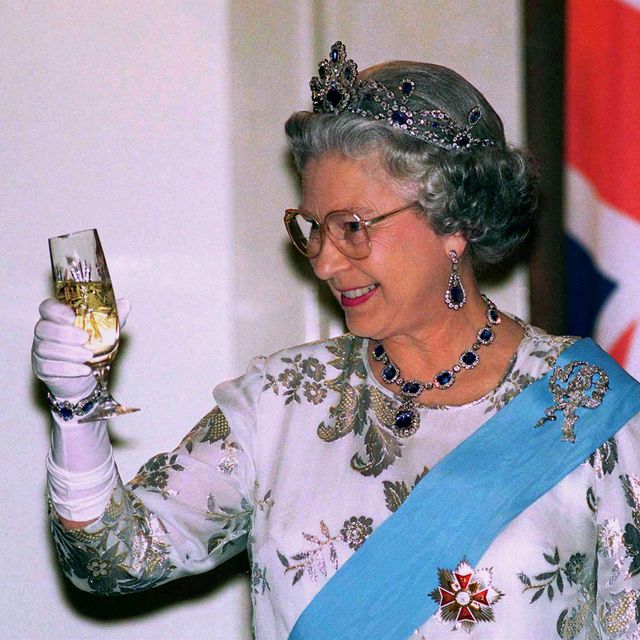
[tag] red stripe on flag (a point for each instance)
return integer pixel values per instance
(619, 350)
(603, 99)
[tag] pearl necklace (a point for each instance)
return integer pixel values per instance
(407, 418)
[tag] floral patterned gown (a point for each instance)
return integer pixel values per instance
(295, 464)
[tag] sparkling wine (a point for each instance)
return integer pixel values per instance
(95, 308)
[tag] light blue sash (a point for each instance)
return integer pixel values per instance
(460, 507)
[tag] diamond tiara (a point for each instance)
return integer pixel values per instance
(336, 88)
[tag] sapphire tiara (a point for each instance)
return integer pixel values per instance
(336, 88)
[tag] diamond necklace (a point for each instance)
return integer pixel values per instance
(407, 418)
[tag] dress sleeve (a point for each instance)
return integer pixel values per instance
(617, 506)
(183, 513)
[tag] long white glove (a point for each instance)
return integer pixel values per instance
(80, 465)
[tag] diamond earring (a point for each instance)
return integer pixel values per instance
(455, 296)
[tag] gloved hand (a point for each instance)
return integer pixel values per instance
(58, 353)
(81, 471)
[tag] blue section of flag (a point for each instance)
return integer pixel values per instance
(587, 290)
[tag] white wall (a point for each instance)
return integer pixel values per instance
(160, 123)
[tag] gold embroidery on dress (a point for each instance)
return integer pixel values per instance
(609, 537)
(618, 613)
(345, 416)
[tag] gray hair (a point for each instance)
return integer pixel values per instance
(486, 193)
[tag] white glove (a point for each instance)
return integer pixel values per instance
(58, 354)
(80, 465)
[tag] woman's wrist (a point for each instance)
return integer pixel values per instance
(81, 471)
(71, 408)
(80, 496)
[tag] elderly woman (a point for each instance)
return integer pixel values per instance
(442, 467)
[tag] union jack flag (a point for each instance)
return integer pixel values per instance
(602, 156)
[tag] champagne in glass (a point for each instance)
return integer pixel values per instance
(82, 282)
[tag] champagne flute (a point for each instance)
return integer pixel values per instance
(82, 282)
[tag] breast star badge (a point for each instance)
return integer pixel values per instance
(465, 596)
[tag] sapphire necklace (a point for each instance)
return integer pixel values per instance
(407, 418)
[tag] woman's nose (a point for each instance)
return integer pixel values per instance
(330, 261)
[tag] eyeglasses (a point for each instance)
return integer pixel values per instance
(346, 229)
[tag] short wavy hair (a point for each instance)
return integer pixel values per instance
(486, 193)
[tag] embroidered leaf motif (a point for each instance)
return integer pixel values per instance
(311, 538)
(215, 541)
(313, 561)
(605, 458)
(536, 595)
(347, 351)
(560, 582)
(259, 582)
(282, 559)
(343, 416)
(395, 493)
(631, 488)
(575, 567)
(592, 501)
(524, 579)
(211, 428)
(546, 575)
(104, 559)
(631, 539)
(154, 474)
(573, 570)
(420, 476)
(333, 557)
(232, 519)
(382, 449)
(560, 623)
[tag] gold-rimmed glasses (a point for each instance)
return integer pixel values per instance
(346, 229)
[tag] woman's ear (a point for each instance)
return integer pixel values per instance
(456, 242)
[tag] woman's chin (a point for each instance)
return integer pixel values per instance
(360, 326)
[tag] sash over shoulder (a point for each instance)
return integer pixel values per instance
(382, 591)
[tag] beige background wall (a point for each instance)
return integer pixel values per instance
(160, 123)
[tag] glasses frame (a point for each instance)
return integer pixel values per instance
(290, 214)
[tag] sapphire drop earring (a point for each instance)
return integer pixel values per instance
(455, 296)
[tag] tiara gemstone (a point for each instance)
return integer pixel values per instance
(462, 140)
(474, 115)
(334, 97)
(399, 118)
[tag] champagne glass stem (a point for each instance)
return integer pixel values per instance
(101, 373)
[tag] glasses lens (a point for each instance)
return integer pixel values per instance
(305, 233)
(349, 232)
